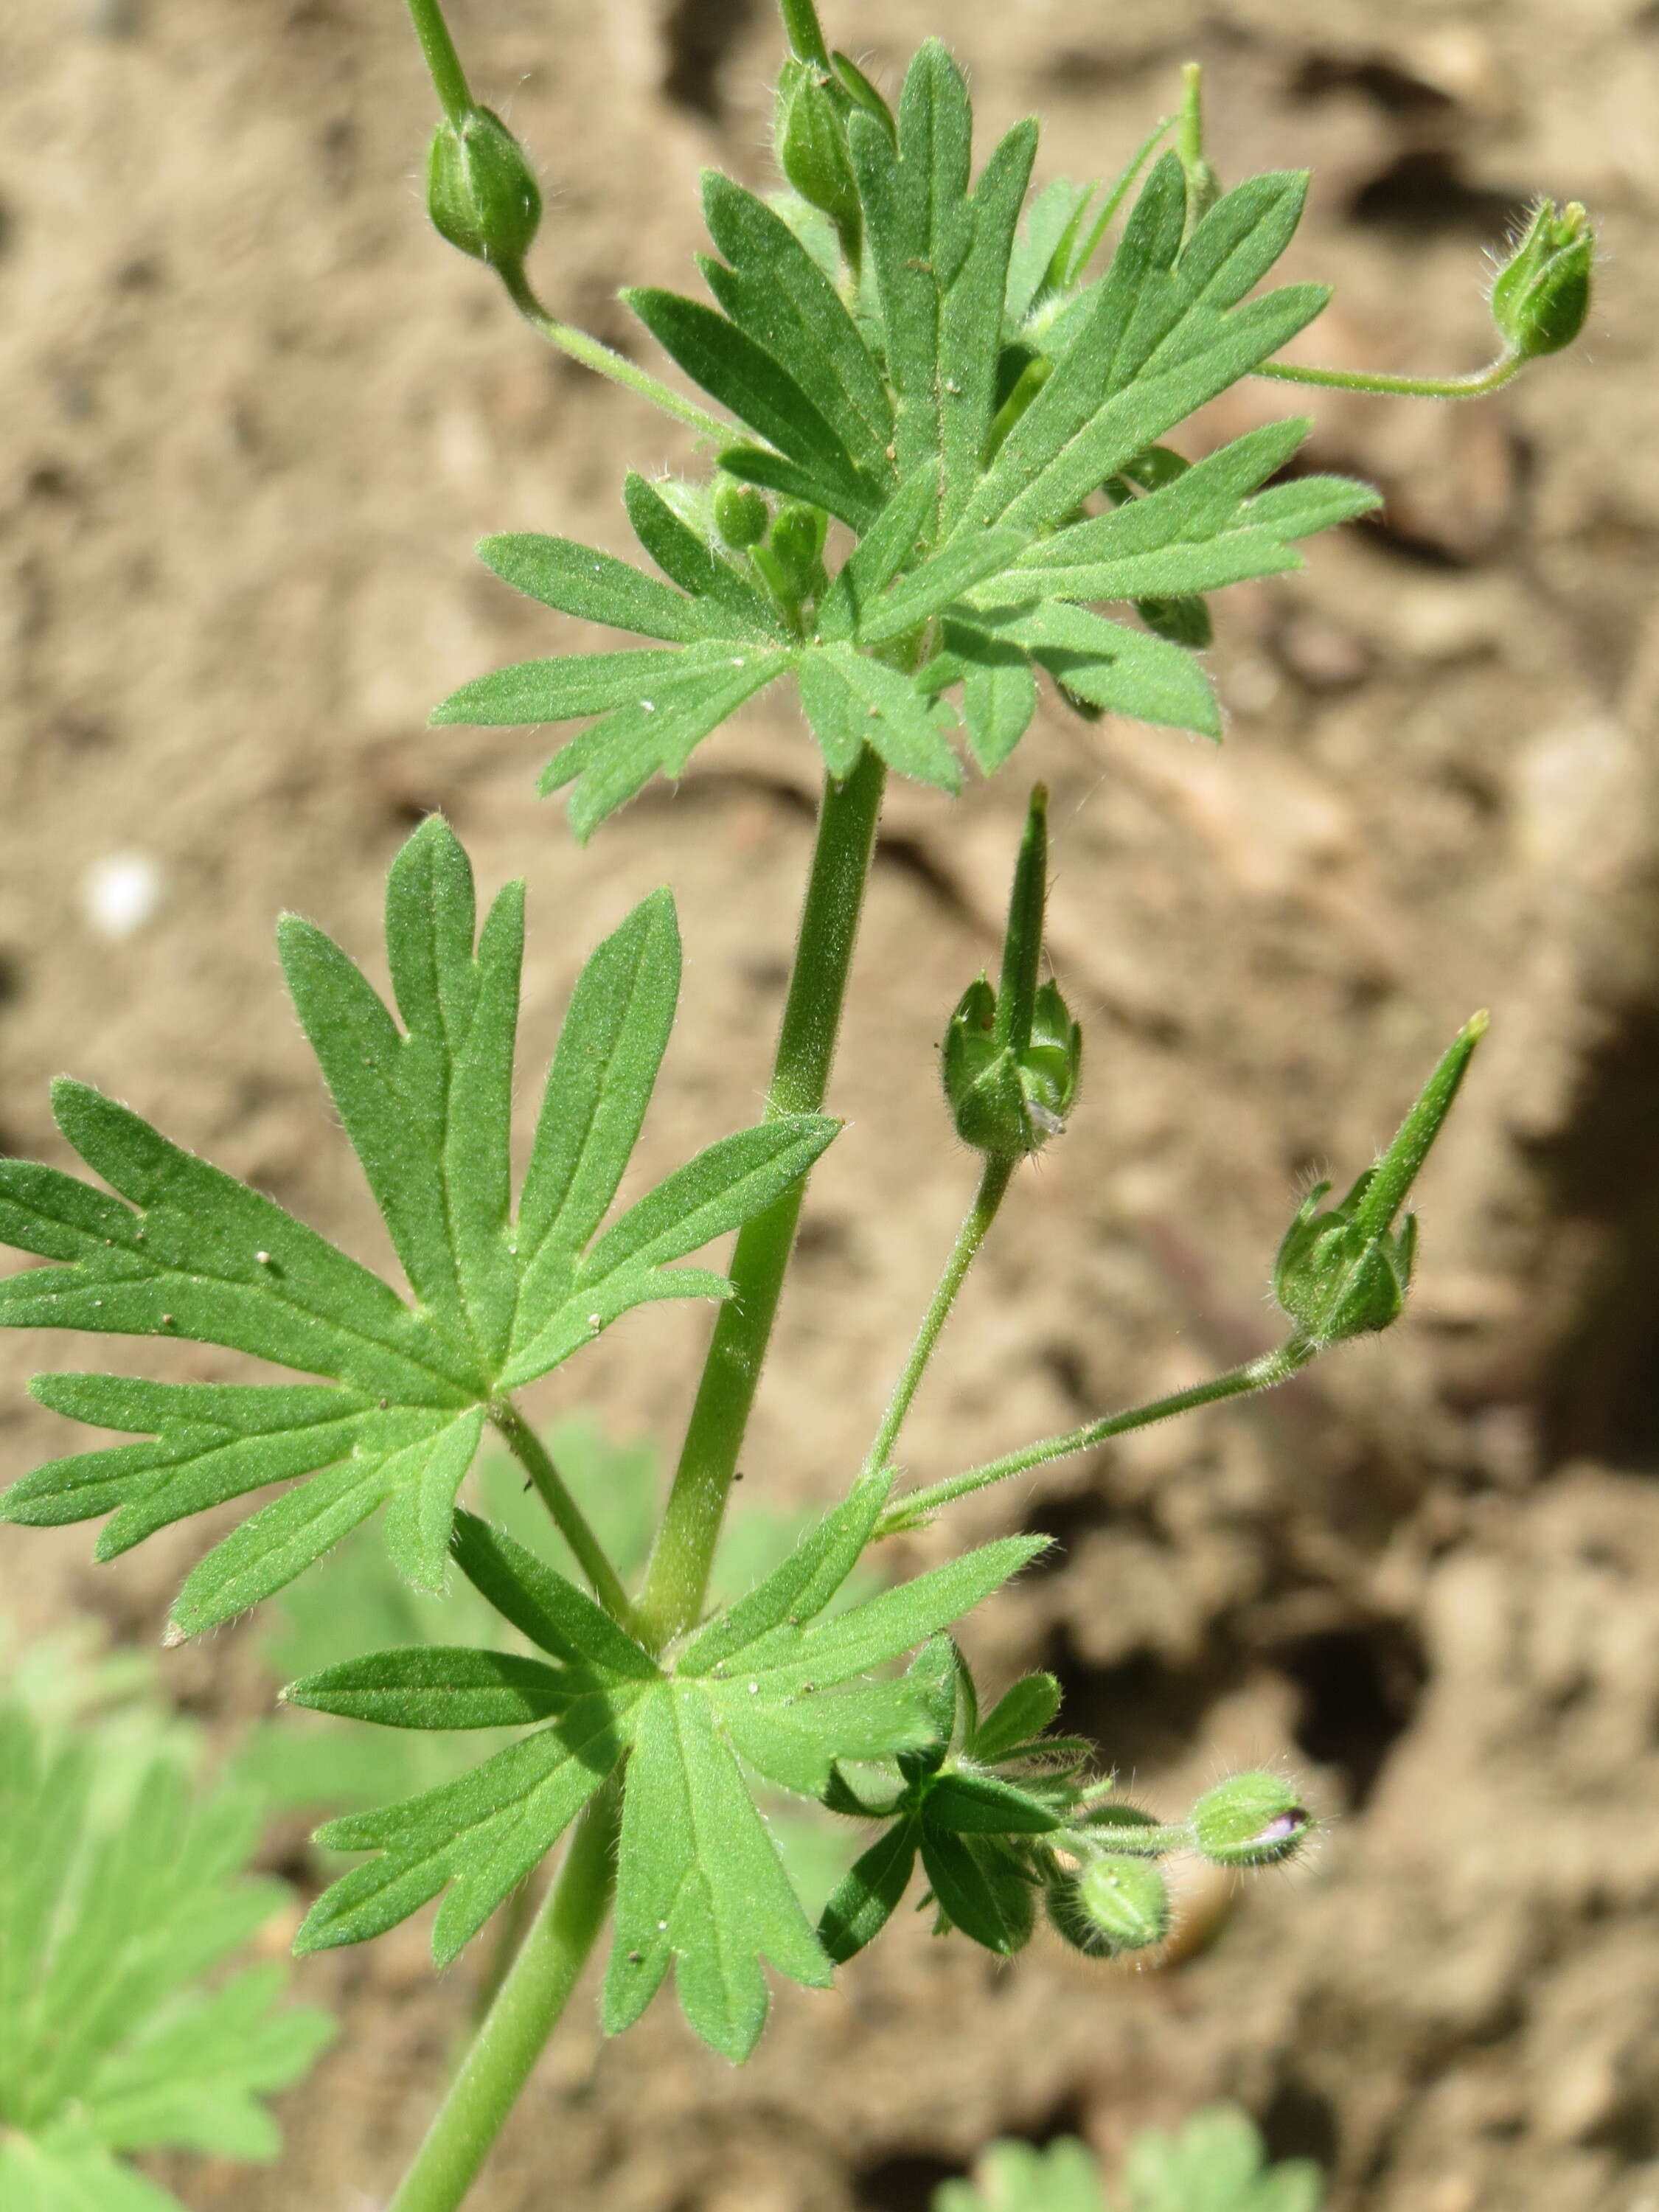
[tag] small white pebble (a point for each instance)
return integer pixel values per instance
(121, 893)
(662, 1928)
(648, 706)
(593, 1321)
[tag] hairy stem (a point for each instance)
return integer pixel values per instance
(806, 40)
(1473, 386)
(443, 62)
(1273, 1367)
(993, 1187)
(604, 361)
(530, 2000)
(677, 1581)
(571, 1521)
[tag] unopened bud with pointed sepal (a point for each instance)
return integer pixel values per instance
(480, 191)
(810, 135)
(1344, 1271)
(1253, 1819)
(797, 547)
(1127, 1899)
(1541, 296)
(1013, 1055)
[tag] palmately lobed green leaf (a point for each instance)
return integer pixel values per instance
(888, 401)
(187, 1252)
(776, 1684)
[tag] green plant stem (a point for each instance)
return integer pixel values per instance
(604, 361)
(1191, 139)
(571, 1521)
(1474, 387)
(530, 2000)
(511, 1926)
(444, 64)
(677, 1581)
(806, 40)
(1273, 1367)
(993, 1188)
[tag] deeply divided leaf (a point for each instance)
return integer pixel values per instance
(182, 1251)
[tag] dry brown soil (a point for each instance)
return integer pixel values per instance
(254, 415)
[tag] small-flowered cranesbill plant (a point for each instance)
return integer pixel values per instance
(936, 450)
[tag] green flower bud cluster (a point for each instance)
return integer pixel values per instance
(1013, 1055)
(1541, 296)
(1002, 1815)
(789, 560)
(1346, 1271)
(1117, 1897)
(480, 191)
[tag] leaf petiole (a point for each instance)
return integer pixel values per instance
(571, 1521)
(1265, 1373)
(1475, 386)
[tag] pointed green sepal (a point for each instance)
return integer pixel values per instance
(1541, 295)
(1012, 1056)
(481, 193)
(1346, 1271)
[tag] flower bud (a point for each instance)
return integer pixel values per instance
(1541, 296)
(480, 192)
(1013, 1055)
(797, 546)
(1127, 1899)
(741, 515)
(1255, 1819)
(1336, 1281)
(810, 134)
(1346, 1272)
